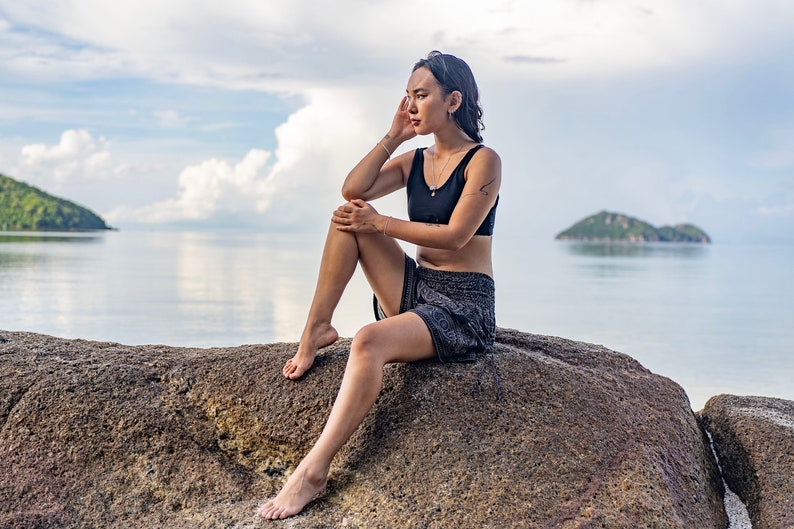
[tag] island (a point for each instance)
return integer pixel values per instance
(607, 226)
(26, 208)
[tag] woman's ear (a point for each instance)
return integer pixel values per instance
(455, 101)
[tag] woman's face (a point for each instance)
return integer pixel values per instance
(427, 106)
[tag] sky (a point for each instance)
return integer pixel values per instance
(247, 115)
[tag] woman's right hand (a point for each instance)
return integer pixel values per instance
(401, 127)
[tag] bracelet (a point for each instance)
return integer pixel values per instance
(385, 149)
(385, 226)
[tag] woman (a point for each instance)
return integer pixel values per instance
(439, 306)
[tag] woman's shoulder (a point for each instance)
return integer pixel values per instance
(485, 151)
(485, 156)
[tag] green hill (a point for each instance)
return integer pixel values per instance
(607, 226)
(24, 207)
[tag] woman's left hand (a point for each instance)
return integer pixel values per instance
(356, 216)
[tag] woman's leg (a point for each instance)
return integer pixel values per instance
(383, 260)
(402, 338)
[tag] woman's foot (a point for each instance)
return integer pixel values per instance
(312, 341)
(302, 487)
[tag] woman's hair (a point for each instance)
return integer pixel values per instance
(454, 74)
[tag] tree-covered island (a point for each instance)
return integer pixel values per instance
(606, 226)
(26, 208)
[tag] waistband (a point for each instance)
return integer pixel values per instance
(432, 274)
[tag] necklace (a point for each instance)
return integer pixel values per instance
(433, 162)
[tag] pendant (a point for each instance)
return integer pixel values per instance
(432, 191)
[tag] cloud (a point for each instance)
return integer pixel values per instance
(304, 42)
(568, 72)
(529, 59)
(77, 155)
(73, 143)
(302, 182)
(211, 189)
(784, 211)
(171, 119)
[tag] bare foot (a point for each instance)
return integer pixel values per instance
(312, 341)
(301, 488)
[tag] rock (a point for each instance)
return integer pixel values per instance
(754, 440)
(105, 435)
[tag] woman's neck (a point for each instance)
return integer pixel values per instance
(452, 141)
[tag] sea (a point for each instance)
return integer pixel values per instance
(715, 318)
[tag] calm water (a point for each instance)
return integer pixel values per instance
(716, 319)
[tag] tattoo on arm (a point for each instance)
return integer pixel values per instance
(482, 191)
(432, 225)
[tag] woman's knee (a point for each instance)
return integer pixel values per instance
(368, 344)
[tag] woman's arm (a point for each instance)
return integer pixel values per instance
(483, 179)
(375, 175)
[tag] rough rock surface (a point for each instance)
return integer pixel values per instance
(754, 439)
(105, 435)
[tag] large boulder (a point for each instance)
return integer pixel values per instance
(106, 435)
(754, 439)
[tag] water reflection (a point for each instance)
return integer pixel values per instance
(198, 289)
(17, 260)
(618, 249)
(38, 236)
(23, 251)
(616, 261)
(225, 283)
(254, 288)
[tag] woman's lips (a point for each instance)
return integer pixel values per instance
(414, 122)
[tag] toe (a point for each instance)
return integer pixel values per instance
(264, 510)
(289, 367)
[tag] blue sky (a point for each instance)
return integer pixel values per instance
(247, 115)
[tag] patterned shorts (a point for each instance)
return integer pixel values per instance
(457, 307)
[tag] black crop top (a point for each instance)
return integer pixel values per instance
(422, 207)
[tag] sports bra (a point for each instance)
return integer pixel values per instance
(422, 207)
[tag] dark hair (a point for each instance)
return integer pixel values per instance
(454, 74)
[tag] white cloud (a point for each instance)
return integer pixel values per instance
(77, 155)
(784, 211)
(73, 143)
(210, 189)
(171, 119)
(311, 160)
(546, 57)
(282, 46)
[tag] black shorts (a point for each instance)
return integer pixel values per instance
(457, 307)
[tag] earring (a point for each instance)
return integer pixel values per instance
(449, 115)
